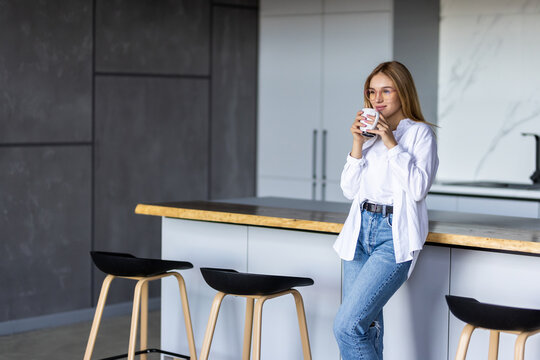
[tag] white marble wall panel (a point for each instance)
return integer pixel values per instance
(489, 91)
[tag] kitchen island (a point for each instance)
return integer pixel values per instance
(493, 258)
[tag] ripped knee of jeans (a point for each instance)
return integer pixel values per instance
(376, 325)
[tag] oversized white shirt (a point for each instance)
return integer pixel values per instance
(376, 184)
(411, 168)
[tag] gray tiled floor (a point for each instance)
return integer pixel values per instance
(69, 342)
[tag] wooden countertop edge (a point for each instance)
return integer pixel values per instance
(487, 243)
(234, 218)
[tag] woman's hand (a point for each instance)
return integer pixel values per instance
(358, 138)
(355, 128)
(383, 130)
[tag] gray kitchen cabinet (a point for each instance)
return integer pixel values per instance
(289, 100)
(442, 202)
(494, 206)
(484, 205)
(346, 65)
(311, 76)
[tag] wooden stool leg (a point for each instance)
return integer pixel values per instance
(519, 353)
(144, 320)
(464, 340)
(207, 342)
(302, 324)
(135, 318)
(493, 345)
(519, 350)
(248, 328)
(97, 316)
(258, 328)
(187, 315)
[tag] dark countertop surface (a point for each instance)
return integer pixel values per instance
(489, 232)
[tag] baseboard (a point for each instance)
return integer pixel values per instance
(70, 317)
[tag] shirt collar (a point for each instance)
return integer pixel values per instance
(403, 125)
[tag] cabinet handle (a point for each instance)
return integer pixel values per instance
(314, 165)
(323, 188)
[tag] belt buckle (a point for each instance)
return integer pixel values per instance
(371, 207)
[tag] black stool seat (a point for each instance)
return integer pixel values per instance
(143, 271)
(491, 316)
(233, 282)
(256, 288)
(121, 264)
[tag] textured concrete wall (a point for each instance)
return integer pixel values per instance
(233, 132)
(105, 104)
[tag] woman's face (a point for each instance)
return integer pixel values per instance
(384, 98)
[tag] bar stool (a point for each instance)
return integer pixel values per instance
(496, 319)
(143, 270)
(256, 288)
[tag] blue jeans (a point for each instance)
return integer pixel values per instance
(369, 281)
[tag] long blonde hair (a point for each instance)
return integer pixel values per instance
(402, 78)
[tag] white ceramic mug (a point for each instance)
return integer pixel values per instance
(371, 112)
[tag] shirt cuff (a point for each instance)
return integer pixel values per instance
(395, 150)
(355, 161)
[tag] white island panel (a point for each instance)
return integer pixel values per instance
(502, 279)
(416, 317)
(204, 244)
(417, 322)
(305, 254)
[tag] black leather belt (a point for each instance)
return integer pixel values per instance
(376, 208)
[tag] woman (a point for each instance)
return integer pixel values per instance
(387, 177)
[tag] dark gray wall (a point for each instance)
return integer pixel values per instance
(416, 44)
(154, 37)
(45, 71)
(158, 153)
(45, 223)
(233, 132)
(45, 156)
(106, 104)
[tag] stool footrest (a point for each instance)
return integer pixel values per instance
(147, 351)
